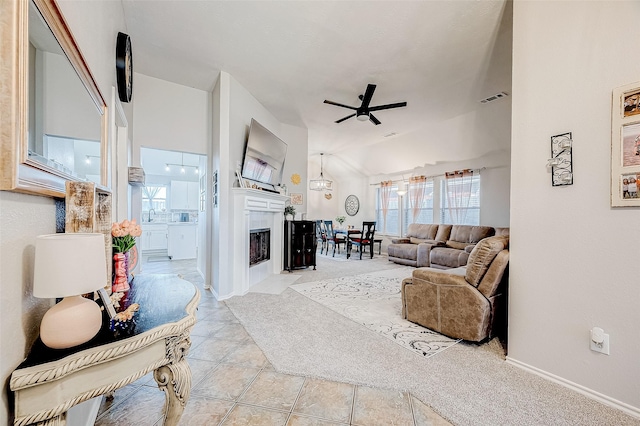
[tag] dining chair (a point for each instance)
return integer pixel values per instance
(332, 238)
(321, 235)
(362, 239)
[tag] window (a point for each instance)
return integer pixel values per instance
(470, 214)
(393, 222)
(432, 209)
(424, 210)
(154, 197)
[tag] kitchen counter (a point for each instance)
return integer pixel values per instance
(181, 223)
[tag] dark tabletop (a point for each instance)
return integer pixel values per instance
(163, 299)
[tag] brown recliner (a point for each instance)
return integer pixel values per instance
(461, 303)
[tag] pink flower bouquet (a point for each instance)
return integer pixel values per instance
(123, 235)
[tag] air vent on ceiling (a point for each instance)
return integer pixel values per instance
(494, 97)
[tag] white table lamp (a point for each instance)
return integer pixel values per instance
(69, 265)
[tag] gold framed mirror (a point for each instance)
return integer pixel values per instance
(53, 116)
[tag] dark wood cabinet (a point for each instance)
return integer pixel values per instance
(299, 244)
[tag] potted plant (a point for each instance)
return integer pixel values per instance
(289, 212)
(340, 220)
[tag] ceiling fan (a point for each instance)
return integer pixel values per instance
(363, 113)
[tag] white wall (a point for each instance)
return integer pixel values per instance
(236, 109)
(22, 218)
(169, 116)
(574, 259)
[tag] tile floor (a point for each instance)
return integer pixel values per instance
(234, 384)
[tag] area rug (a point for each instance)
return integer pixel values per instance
(374, 301)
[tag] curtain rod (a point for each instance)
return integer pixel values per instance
(428, 177)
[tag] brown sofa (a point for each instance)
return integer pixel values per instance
(439, 246)
(464, 303)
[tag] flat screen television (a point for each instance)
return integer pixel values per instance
(264, 157)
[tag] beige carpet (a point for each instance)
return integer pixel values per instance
(467, 384)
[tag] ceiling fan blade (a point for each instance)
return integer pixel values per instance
(374, 120)
(340, 105)
(388, 106)
(366, 99)
(345, 118)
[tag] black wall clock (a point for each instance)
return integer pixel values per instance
(352, 205)
(124, 67)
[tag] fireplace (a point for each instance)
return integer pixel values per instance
(259, 246)
(234, 272)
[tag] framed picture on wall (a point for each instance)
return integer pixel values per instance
(625, 146)
(296, 198)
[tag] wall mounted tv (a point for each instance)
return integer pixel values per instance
(263, 157)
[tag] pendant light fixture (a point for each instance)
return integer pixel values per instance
(321, 183)
(182, 166)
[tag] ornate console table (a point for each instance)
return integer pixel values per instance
(51, 381)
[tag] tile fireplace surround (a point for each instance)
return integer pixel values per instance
(255, 209)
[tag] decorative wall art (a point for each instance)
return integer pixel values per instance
(295, 179)
(352, 205)
(561, 161)
(625, 146)
(214, 186)
(296, 199)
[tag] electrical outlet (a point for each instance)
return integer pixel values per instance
(599, 341)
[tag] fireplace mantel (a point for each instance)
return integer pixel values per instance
(258, 200)
(253, 209)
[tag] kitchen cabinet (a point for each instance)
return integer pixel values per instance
(184, 195)
(183, 242)
(154, 237)
(299, 244)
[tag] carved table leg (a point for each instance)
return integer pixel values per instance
(175, 381)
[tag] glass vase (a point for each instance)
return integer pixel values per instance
(120, 273)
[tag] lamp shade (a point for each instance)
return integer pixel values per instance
(69, 264)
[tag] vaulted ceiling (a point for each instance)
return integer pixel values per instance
(441, 57)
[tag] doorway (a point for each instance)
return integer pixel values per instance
(173, 208)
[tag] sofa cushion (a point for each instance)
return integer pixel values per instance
(470, 234)
(502, 232)
(458, 245)
(403, 251)
(447, 257)
(422, 231)
(443, 232)
(481, 257)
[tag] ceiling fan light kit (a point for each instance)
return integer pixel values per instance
(363, 113)
(363, 117)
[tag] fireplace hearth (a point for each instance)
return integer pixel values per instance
(259, 246)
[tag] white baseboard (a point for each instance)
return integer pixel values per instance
(604, 399)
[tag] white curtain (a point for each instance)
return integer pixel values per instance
(458, 191)
(417, 189)
(385, 195)
(150, 192)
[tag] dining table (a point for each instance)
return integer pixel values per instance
(351, 231)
